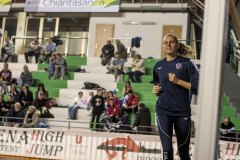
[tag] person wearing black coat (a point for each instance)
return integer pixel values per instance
(107, 53)
(26, 97)
(15, 112)
(98, 104)
(143, 119)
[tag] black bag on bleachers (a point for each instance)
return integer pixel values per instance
(46, 114)
(14, 58)
(90, 85)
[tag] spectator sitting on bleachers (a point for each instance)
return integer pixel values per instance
(16, 112)
(89, 99)
(130, 103)
(112, 111)
(5, 78)
(51, 67)
(26, 97)
(77, 104)
(104, 95)
(7, 49)
(138, 69)
(121, 49)
(126, 88)
(50, 47)
(61, 66)
(116, 66)
(107, 53)
(2, 106)
(31, 118)
(25, 77)
(41, 97)
(8, 105)
(142, 120)
(114, 97)
(15, 92)
(125, 124)
(227, 129)
(35, 47)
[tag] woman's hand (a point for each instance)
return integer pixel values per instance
(173, 78)
(28, 112)
(156, 89)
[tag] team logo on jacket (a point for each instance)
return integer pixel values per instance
(179, 65)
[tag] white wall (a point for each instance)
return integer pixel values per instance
(150, 33)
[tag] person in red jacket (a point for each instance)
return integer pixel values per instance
(112, 111)
(130, 103)
(5, 77)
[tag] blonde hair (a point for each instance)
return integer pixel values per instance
(185, 51)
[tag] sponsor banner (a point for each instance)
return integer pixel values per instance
(74, 145)
(5, 5)
(72, 6)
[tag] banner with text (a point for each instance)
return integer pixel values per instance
(5, 5)
(74, 145)
(72, 6)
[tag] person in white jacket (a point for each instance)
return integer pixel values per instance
(138, 69)
(78, 103)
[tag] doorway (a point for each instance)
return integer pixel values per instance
(103, 33)
(171, 29)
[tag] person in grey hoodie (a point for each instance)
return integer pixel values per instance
(25, 77)
(60, 66)
(7, 49)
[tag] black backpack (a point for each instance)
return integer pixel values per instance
(46, 114)
(90, 85)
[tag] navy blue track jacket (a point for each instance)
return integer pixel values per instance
(174, 100)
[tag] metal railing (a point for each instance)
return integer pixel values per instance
(79, 125)
(65, 39)
(198, 9)
(235, 56)
(113, 127)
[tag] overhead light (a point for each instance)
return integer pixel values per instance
(138, 23)
(148, 23)
(134, 23)
(130, 23)
(50, 20)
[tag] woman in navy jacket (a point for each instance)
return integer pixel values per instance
(174, 78)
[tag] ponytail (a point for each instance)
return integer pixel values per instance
(184, 50)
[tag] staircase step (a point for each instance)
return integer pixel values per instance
(96, 61)
(79, 84)
(92, 77)
(60, 119)
(72, 93)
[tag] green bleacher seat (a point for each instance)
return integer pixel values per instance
(143, 78)
(153, 119)
(228, 111)
(236, 122)
(225, 100)
(150, 62)
(52, 92)
(73, 63)
(146, 87)
(44, 75)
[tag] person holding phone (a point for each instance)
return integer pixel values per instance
(174, 78)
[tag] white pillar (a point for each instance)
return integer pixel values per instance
(3, 31)
(57, 26)
(21, 24)
(213, 48)
(40, 32)
(84, 43)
